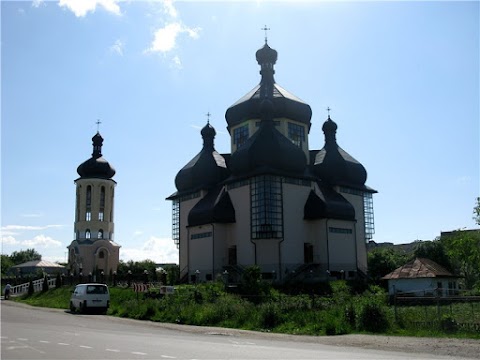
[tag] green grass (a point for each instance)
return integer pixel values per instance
(338, 313)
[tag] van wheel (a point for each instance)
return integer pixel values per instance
(83, 307)
(72, 308)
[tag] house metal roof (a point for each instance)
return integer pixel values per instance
(419, 268)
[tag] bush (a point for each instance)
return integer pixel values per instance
(373, 318)
(31, 290)
(269, 315)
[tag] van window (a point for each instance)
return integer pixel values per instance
(96, 289)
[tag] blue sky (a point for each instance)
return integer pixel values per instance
(402, 80)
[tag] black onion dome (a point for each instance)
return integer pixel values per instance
(268, 150)
(286, 104)
(266, 55)
(206, 169)
(333, 164)
(96, 166)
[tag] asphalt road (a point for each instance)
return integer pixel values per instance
(38, 333)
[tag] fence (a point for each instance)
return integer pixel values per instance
(37, 286)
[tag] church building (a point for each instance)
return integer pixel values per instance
(93, 252)
(299, 214)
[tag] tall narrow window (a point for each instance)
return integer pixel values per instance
(89, 196)
(88, 215)
(240, 135)
(100, 215)
(102, 197)
(88, 234)
(266, 207)
(176, 222)
(101, 254)
(100, 234)
(296, 134)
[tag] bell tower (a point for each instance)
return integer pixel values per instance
(93, 252)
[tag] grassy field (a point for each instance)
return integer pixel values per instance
(339, 312)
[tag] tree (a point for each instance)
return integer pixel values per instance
(463, 248)
(476, 211)
(382, 261)
(435, 251)
(6, 263)
(22, 256)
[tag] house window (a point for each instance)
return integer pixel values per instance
(100, 234)
(296, 134)
(266, 207)
(240, 135)
(88, 234)
(88, 215)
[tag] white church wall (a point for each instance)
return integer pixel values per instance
(341, 245)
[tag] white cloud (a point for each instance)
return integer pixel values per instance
(176, 62)
(37, 3)
(9, 240)
(81, 7)
(159, 250)
(28, 227)
(169, 8)
(165, 38)
(117, 47)
(34, 215)
(42, 241)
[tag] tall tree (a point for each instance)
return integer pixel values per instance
(463, 248)
(6, 263)
(435, 251)
(476, 211)
(382, 261)
(19, 257)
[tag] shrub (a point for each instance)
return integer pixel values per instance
(373, 318)
(31, 290)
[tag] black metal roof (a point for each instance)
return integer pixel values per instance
(215, 207)
(96, 166)
(206, 169)
(328, 205)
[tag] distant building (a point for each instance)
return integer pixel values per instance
(296, 213)
(422, 277)
(37, 266)
(93, 251)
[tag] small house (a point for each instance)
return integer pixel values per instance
(422, 277)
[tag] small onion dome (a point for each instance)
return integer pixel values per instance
(286, 104)
(266, 55)
(335, 165)
(206, 169)
(268, 150)
(96, 166)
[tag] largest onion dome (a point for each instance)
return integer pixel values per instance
(96, 166)
(286, 104)
(334, 165)
(267, 150)
(206, 169)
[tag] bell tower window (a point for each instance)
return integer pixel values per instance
(89, 196)
(100, 234)
(240, 135)
(88, 215)
(88, 234)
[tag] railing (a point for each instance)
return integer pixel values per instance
(37, 286)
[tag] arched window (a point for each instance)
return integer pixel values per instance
(87, 234)
(101, 255)
(100, 234)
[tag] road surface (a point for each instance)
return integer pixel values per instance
(39, 333)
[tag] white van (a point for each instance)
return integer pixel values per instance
(89, 297)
